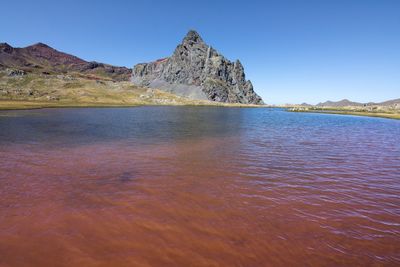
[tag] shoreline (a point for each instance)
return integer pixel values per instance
(32, 105)
(394, 116)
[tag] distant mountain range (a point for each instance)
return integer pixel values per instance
(348, 103)
(41, 58)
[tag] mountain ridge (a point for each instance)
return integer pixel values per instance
(348, 103)
(41, 58)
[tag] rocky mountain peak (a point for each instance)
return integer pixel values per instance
(192, 37)
(197, 71)
(42, 45)
(43, 51)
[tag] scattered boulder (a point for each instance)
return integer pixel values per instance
(15, 72)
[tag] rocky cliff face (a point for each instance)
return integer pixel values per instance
(198, 71)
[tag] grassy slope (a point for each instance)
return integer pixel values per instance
(76, 90)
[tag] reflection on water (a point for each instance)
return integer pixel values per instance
(64, 127)
(181, 186)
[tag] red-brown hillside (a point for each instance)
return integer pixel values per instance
(43, 58)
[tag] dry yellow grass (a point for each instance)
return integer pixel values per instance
(43, 91)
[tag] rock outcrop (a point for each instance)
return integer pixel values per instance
(198, 71)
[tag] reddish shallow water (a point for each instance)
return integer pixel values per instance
(198, 187)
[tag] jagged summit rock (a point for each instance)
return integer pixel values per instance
(198, 71)
(192, 36)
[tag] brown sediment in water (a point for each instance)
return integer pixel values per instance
(105, 205)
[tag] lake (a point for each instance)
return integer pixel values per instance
(198, 186)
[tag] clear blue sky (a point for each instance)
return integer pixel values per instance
(293, 51)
